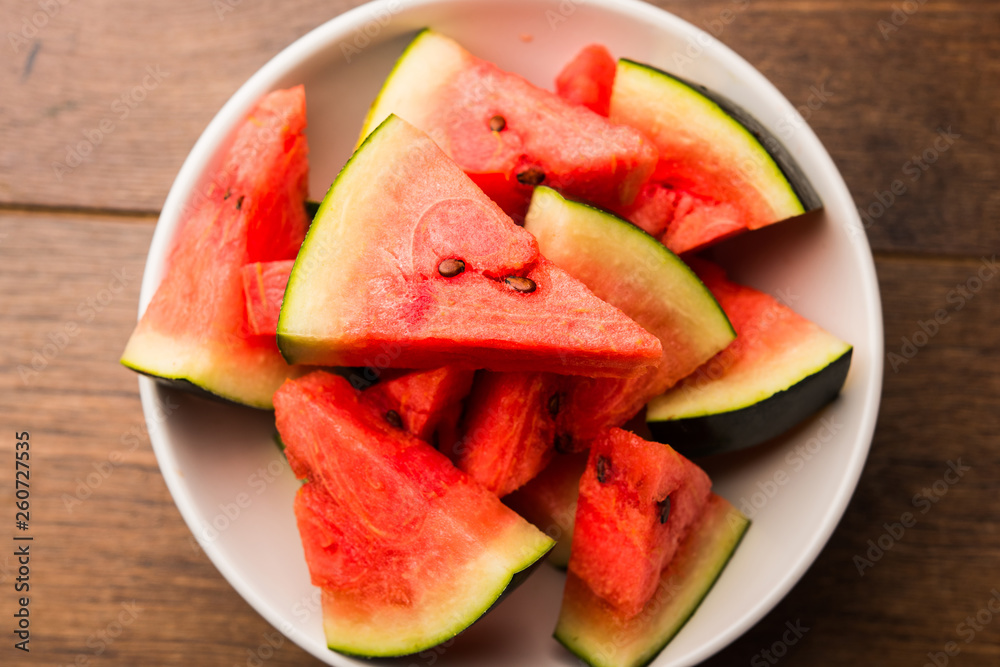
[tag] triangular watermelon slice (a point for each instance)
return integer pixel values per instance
(195, 330)
(408, 259)
(649, 541)
(720, 171)
(407, 549)
(508, 134)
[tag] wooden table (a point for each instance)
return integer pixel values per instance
(115, 578)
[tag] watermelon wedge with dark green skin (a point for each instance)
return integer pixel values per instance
(602, 636)
(634, 272)
(720, 172)
(421, 399)
(588, 79)
(781, 369)
(195, 331)
(508, 134)
(408, 258)
(407, 549)
(638, 500)
(549, 502)
(509, 428)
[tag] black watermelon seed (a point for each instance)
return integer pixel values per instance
(531, 176)
(450, 268)
(664, 506)
(239, 203)
(498, 123)
(522, 285)
(603, 469)
(564, 443)
(554, 404)
(394, 419)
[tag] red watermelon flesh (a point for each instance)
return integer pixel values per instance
(508, 134)
(371, 275)
(449, 430)
(196, 327)
(509, 428)
(421, 399)
(680, 220)
(588, 78)
(263, 287)
(638, 499)
(407, 549)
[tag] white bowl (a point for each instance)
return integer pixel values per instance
(232, 485)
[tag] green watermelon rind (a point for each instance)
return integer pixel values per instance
(754, 415)
(377, 107)
(288, 348)
(584, 627)
(787, 188)
(713, 330)
(689, 402)
(519, 573)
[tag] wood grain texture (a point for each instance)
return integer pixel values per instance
(109, 545)
(886, 97)
(80, 262)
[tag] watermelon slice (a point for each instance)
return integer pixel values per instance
(408, 550)
(408, 258)
(195, 330)
(549, 502)
(645, 518)
(263, 288)
(638, 499)
(781, 369)
(720, 172)
(421, 399)
(588, 79)
(604, 637)
(631, 270)
(508, 134)
(509, 428)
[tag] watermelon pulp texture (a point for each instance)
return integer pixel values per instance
(508, 134)
(407, 257)
(604, 637)
(196, 328)
(638, 500)
(587, 80)
(421, 399)
(549, 502)
(509, 428)
(775, 348)
(714, 178)
(635, 273)
(407, 549)
(263, 288)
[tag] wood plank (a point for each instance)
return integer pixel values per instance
(887, 99)
(111, 546)
(153, 78)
